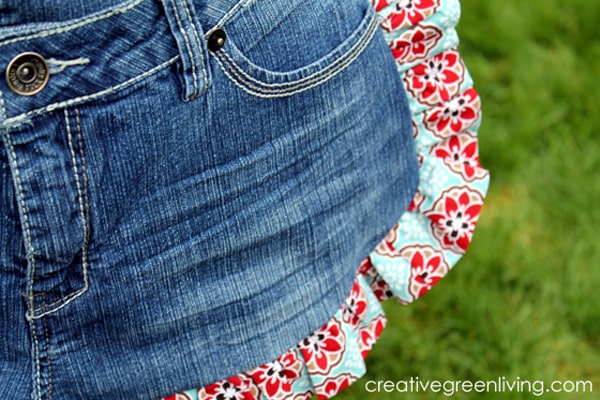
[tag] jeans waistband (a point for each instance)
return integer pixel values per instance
(110, 50)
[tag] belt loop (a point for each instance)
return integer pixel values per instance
(189, 36)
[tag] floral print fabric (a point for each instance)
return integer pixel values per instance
(427, 240)
(437, 229)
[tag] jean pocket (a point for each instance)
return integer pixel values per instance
(274, 53)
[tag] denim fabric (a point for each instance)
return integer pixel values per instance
(173, 215)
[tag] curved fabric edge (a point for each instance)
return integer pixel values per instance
(428, 239)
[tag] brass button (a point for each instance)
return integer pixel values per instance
(27, 74)
(216, 39)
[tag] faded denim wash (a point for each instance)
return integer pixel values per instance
(172, 215)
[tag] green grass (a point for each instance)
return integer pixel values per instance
(524, 301)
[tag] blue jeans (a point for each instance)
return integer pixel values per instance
(186, 187)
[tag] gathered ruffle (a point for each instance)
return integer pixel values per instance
(438, 227)
(428, 239)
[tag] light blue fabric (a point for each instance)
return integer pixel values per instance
(173, 215)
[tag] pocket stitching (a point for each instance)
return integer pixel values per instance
(259, 88)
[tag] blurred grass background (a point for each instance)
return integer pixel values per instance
(525, 300)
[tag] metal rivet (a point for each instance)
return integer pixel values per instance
(27, 74)
(216, 39)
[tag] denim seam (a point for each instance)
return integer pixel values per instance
(188, 47)
(2, 107)
(36, 356)
(241, 78)
(58, 66)
(78, 100)
(28, 247)
(358, 46)
(198, 42)
(86, 198)
(29, 251)
(48, 357)
(63, 301)
(76, 25)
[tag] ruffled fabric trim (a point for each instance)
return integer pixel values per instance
(438, 227)
(429, 238)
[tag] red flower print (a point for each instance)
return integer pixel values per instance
(437, 79)
(355, 306)
(386, 246)
(332, 386)
(460, 154)
(417, 200)
(428, 266)
(454, 216)
(408, 13)
(275, 379)
(415, 44)
(381, 289)
(381, 4)
(370, 334)
(324, 349)
(365, 267)
(239, 387)
(454, 116)
(377, 285)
